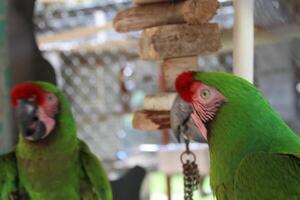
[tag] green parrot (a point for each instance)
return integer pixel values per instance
(49, 161)
(253, 153)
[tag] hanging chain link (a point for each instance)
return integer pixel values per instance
(190, 170)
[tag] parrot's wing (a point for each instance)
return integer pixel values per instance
(268, 176)
(8, 177)
(95, 172)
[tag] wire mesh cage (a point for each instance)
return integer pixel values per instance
(99, 71)
(103, 92)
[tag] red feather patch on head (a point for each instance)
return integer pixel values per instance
(27, 91)
(183, 85)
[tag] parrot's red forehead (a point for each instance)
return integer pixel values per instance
(27, 91)
(184, 83)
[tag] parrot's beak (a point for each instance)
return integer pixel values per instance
(181, 120)
(31, 127)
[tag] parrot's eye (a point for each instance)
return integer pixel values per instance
(51, 97)
(205, 94)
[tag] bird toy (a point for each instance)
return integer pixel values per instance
(191, 176)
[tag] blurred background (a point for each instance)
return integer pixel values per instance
(102, 75)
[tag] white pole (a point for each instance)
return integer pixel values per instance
(243, 39)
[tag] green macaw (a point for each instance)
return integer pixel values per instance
(253, 153)
(49, 161)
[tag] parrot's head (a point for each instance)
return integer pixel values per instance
(207, 98)
(36, 109)
(197, 104)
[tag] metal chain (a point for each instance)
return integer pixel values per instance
(190, 170)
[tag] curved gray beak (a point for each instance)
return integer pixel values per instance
(30, 126)
(181, 120)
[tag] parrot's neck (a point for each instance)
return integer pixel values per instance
(48, 165)
(235, 134)
(56, 145)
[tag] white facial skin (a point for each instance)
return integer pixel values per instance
(51, 105)
(47, 112)
(205, 102)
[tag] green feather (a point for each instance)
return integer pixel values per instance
(245, 124)
(273, 176)
(95, 172)
(53, 168)
(8, 176)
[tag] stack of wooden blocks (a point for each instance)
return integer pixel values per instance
(175, 32)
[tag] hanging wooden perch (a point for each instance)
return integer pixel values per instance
(174, 66)
(176, 32)
(141, 2)
(156, 112)
(159, 102)
(182, 40)
(151, 120)
(146, 16)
